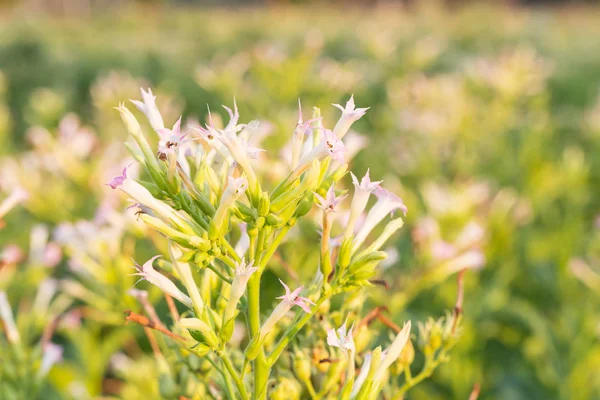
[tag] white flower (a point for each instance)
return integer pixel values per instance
(360, 380)
(330, 145)
(342, 340)
(184, 273)
(329, 203)
(143, 196)
(148, 273)
(393, 352)
(148, 107)
(387, 202)
(350, 114)
(237, 147)
(472, 259)
(288, 300)
(243, 272)
(362, 192)
(6, 315)
(52, 354)
(17, 196)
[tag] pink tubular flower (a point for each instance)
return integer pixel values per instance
(330, 145)
(387, 202)
(350, 114)
(118, 180)
(171, 138)
(330, 201)
(362, 192)
(288, 300)
(302, 129)
(294, 299)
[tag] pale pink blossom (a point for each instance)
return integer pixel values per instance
(350, 114)
(329, 203)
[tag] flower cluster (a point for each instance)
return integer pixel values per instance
(202, 191)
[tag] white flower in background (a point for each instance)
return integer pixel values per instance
(52, 353)
(6, 315)
(17, 196)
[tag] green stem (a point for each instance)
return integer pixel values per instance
(261, 371)
(236, 378)
(311, 389)
(216, 270)
(226, 378)
(291, 332)
(274, 246)
(431, 364)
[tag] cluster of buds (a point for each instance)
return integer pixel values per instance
(201, 190)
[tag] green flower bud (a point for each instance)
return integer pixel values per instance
(260, 222)
(375, 256)
(345, 253)
(264, 204)
(227, 330)
(326, 267)
(200, 331)
(187, 256)
(274, 220)
(304, 207)
(253, 348)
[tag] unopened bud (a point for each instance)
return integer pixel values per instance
(264, 204)
(286, 389)
(302, 366)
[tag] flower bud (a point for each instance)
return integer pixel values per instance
(302, 366)
(254, 347)
(286, 389)
(200, 331)
(264, 204)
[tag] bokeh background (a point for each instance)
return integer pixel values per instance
(484, 117)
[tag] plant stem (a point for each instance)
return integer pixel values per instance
(274, 246)
(216, 270)
(226, 378)
(233, 373)
(261, 372)
(311, 389)
(430, 365)
(291, 332)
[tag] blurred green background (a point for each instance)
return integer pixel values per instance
(481, 115)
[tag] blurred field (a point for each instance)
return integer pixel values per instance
(486, 120)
